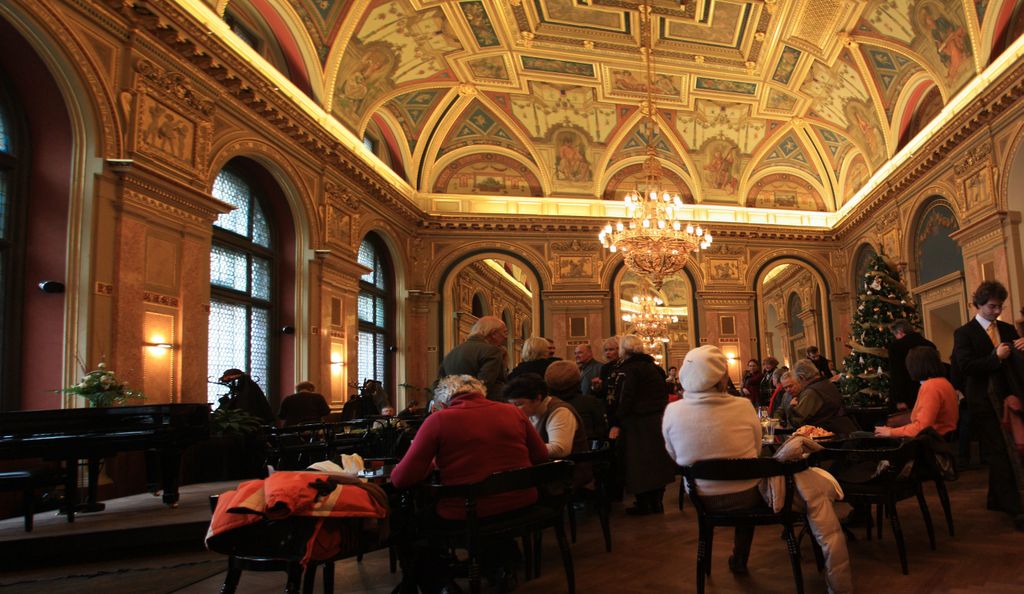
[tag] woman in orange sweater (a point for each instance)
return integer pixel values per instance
(936, 406)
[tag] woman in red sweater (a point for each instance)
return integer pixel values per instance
(470, 438)
(936, 405)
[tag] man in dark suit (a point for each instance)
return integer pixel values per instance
(824, 365)
(903, 390)
(981, 348)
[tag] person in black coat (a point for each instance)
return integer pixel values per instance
(642, 397)
(246, 395)
(902, 389)
(535, 358)
(981, 349)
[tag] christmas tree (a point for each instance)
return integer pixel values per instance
(881, 300)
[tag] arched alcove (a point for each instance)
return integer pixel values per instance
(490, 282)
(792, 310)
(938, 272)
(677, 296)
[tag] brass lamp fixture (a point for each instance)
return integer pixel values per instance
(654, 239)
(647, 322)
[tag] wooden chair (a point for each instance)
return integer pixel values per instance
(297, 446)
(279, 545)
(553, 480)
(892, 480)
(600, 460)
(742, 469)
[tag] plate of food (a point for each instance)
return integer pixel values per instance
(814, 432)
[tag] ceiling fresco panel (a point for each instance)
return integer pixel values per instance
(550, 89)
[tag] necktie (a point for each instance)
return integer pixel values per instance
(993, 334)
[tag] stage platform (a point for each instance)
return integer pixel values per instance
(136, 522)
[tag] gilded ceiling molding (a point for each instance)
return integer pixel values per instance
(179, 32)
(1000, 96)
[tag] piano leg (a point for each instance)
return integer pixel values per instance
(70, 488)
(170, 470)
(91, 504)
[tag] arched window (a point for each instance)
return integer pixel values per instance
(242, 283)
(375, 308)
(11, 167)
(478, 306)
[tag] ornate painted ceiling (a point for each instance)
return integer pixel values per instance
(785, 104)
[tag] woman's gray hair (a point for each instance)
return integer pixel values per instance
(453, 385)
(534, 348)
(806, 371)
(613, 341)
(631, 344)
(777, 374)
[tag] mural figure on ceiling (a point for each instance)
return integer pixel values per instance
(949, 38)
(627, 80)
(571, 162)
(364, 77)
(863, 127)
(720, 166)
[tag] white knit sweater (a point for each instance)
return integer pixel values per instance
(709, 425)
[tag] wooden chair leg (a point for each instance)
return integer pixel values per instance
(309, 579)
(878, 520)
(794, 559)
(926, 514)
(563, 545)
(231, 579)
(294, 583)
(682, 493)
(606, 529)
(940, 486)
(329, 577)
(538, 542)
(30, 509)
(707, 554)
(702, 551)
(897, 532)
(572, 522)
(528, 556)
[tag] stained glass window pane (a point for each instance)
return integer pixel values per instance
(228, 268)
(226, 343)
(232, 189)
(366, 356)
(365, 308)
(260, 361)
(380, 322)
(4, 199)
(368, 257)
(5, 135)
(261, 279)
(260, 228)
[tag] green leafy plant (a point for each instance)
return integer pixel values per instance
(233, 421)
(100, 388)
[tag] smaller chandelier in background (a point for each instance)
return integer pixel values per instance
(648, 323)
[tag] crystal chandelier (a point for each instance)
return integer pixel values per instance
(647, 322)
(654, 239)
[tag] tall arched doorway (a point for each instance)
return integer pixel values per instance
(792, 302)
(676, 296)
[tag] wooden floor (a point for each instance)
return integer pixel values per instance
(651, 554)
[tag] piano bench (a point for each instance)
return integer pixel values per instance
(27, 481)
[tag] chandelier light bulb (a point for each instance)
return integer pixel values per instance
(689, 229)
(676, 225)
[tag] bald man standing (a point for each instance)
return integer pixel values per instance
(481, 356)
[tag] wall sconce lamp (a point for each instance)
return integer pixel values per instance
(158, 345)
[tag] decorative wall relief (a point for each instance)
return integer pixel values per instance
(723, 269)
(173, 123)
(575, 260)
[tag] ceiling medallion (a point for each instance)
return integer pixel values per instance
(654, 239)
(647, 322)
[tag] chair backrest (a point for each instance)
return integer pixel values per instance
(552, 477)
(734, 469)
(600, 452)
(387, 438)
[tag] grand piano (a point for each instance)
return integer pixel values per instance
(69, 435)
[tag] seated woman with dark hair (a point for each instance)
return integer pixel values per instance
(936, 405)
(557, 422)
